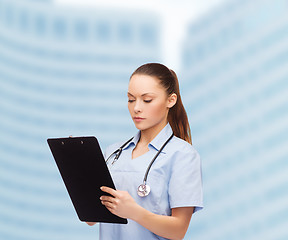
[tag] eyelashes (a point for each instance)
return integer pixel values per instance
(146, 101)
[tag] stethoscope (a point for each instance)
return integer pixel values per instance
(143, 189)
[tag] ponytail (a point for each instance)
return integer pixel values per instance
(177, 116)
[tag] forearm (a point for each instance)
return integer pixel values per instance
(123, 205)
(170, 227)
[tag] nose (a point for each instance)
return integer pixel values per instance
(137, 107)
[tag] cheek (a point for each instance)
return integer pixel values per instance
(158, 110)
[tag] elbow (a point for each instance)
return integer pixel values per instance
(179, 238)
(179, 235)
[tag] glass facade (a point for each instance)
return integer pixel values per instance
(235, 89)
(62, 72)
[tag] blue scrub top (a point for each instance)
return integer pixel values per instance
(175, 181)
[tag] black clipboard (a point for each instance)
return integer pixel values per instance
(83, 169)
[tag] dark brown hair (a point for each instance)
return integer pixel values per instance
(177, 116)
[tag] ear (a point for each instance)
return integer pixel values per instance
(172, 99)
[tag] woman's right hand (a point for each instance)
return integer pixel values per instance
(91, 223)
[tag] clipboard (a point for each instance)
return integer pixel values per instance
(83, 169)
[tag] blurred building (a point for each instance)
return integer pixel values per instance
(235, 88)
(63, 71)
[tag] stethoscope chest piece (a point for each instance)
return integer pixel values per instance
(143, 190)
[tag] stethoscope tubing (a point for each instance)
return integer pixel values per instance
(118, 152)
(145, 188)
(153, 160)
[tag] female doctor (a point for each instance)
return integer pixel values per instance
(162, 206)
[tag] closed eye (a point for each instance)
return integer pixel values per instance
(148, 101)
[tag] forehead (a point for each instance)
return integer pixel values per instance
(141, 84)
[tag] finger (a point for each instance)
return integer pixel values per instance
(107, 199)
(111, 207)
(109, 190)
(111, 210)
(108, 204)
(91, 223)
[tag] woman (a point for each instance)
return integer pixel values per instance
(156, 108)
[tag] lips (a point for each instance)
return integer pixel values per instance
(138, 119)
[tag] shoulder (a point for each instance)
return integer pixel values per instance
(178, 145)
(182, 151)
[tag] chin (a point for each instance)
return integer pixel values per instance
(140, 126)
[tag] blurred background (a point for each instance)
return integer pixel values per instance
(64, 70)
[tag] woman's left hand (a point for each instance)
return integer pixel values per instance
(121, 204)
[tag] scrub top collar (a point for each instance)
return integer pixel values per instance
(157, 142)
(133, 141)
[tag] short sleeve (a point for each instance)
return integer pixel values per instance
(185, 184)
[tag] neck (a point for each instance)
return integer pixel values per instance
(149, 134)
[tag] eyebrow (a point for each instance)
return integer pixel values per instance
(141, 95)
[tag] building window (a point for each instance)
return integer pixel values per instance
(148, 35)
(59, 27)
(103, 32)
(40, 25)
(9, 15)
(125, 34)
(23, 20)
(81, 30)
